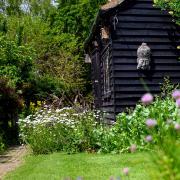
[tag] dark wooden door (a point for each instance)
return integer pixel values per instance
(96, 78)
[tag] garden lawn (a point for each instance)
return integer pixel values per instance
(58, 166)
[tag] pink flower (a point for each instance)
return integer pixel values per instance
(151, 123)
(148, 138)
(133, 148)
(177, 126)
(126, 171)
(176, 94)
(147, 98)
(178, 103)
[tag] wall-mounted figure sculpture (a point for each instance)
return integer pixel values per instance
(143, 57)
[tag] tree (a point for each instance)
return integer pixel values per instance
(41, 53)
(56, 35)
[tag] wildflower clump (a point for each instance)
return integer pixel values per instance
(165, 137)
(49, 130)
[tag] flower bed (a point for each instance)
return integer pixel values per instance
(153, 125)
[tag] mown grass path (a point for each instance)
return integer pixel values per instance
(59, 166)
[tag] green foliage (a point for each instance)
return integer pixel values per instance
(12, 7)
(173, 6)
(41, 87)
(166, 158)
(2, 145)
(51, 130)
(133, 125)
(79, 16)
(88, 166)
(86, 135)
(41, 53)
(64, 130)
(15, 61)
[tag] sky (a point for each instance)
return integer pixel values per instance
(25, 7)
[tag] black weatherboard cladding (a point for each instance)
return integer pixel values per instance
(138, 21)
(141, 22)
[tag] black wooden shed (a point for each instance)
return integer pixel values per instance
(121, 26)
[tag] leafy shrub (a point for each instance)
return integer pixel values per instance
(153, 125)
(51, 130)
(156, 126)
(133, 128)
(16, 62)
(166, 158)
(172, 5)
(40, 87)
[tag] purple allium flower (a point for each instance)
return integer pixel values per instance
(148, 138)
(177, 126)
(178, 103)
(147, 98)
(126, 171)
(133, 148)
(151, 123)
(176, 94)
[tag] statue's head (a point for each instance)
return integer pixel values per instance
(144, 44)
(143, 57)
